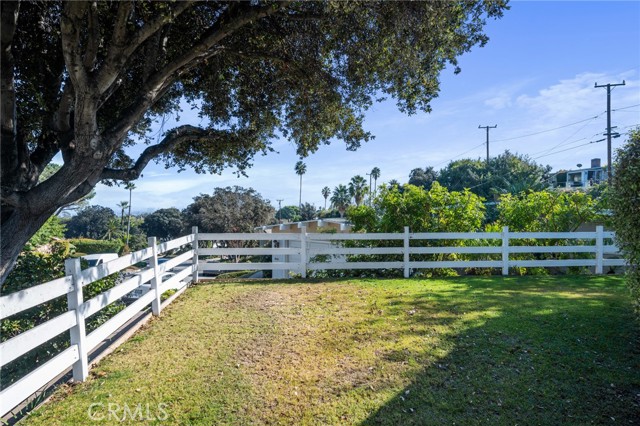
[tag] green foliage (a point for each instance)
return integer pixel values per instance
(308, 211)
(436, 210)
(164, 224)
(92, 222)
(505, 174)
(229, 210)
(52, 228)
(423, 177)
(90, 246)
(358, 188)
(34, 268)
(340, 199)
(547, 211)
(362, 217)
(625, 204)
(289, 213)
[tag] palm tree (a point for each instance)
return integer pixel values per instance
(130, 186)
(340, 199)
(358, 188)
(123, 206)
(300, 169)
(375, 174)
(326, 191)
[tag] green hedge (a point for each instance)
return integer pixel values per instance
(89, 246)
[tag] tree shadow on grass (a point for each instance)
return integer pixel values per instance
(553, 351)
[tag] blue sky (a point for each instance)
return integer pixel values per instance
(534, 80)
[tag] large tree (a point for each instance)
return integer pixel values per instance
(229, 210)
(91, 222)
(87, 80)
(164, 224)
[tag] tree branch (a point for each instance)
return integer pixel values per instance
(93, 42)
(159, 82)
(72, 12)
(122, 48)
(172, 139)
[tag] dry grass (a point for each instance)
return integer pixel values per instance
(466, 351)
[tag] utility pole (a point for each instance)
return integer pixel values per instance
(279, 209)
(487, 127)
(609, 134)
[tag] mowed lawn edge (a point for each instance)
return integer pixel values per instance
(467, 350)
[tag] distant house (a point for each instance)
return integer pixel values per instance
(580, 178)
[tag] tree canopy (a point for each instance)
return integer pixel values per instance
(88, 80)
(229, 210)
(164, 224)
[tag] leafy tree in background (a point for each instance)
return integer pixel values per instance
(90, 222)
(52, 228)
(326, 192)
(87, 80)
(423, 177)
(164, 224)
(340, 199)
(290, 213)
(625, 204)
(506, 173)
(230, 209)
(358, 189)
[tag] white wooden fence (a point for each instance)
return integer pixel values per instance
(296, 252)
(301, 251)
(81, 343)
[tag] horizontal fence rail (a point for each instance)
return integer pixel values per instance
(281, 253)
(74, 319)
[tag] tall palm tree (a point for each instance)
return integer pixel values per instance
(130, 186)
(300, 169)
(340, 199)
(326, 191)
(123, 206)
(375, 174)
(358, 188)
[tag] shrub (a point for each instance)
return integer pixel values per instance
(625, 204)
(89, 246)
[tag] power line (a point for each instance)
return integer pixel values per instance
(459, 155)
(549, 130)
(569, 149)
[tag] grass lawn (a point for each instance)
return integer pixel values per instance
(484, 350)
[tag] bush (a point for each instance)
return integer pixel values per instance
(89, 246)
(625, 204)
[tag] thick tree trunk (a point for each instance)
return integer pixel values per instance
(14, 234)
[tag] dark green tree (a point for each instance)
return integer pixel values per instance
(326, 192)
(87, 80)
(289, 213)
(90, 222)
(423, 177)
(165, 224)
(230, 209)
(301, 169)
(624, 200)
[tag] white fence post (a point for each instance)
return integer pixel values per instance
(406, 252)
(303, 252)
(155, 281)
(194, 231)
(505, 250)
(599, 248)
(78, 333)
